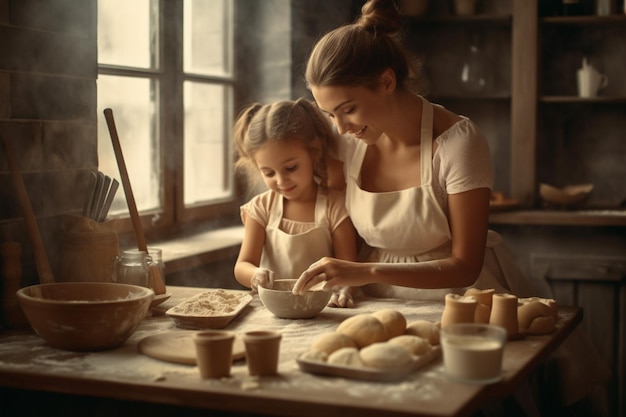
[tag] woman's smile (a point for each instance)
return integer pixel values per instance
(359, 133)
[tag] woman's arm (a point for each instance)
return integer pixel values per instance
(468, 217)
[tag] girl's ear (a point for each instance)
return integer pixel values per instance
(388, 81)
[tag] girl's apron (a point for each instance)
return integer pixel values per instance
(288, 255)
(410, 226)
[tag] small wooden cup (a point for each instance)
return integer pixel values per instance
(262, 351)
(458, 309)
(214, 353)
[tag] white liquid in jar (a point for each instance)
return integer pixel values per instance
(472, 358)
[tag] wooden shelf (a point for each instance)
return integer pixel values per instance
(491, 97)
(585, 20)
(560, 217)
(576, 99)
(479, 19)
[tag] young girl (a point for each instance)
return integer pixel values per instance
(298, 220)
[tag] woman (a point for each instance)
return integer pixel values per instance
(418, 177)
(418, 182)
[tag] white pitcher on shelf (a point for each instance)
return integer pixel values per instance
(590, 81)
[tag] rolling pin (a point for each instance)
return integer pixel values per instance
(39, 251)
(158, 285)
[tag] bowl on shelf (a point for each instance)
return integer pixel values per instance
(85, 316)
(282, 303)
(564, 197)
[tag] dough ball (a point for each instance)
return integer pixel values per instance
(482, 296)
(424, 328)
(314, 356)
(384, 355)
(330, 342)
(364, 329)
(347, 356)
(535, 317)
(393, 320)
(414, 344)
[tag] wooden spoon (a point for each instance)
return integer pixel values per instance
(39, 251)
(158, 284)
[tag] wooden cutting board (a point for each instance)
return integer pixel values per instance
(178, 347)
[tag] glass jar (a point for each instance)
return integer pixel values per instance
(132, 268)
(476, 68)
(155, 258)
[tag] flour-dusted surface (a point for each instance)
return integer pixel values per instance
(124, 373)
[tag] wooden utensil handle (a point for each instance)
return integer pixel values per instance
(128, 191)
(158, 284)
(39, 251)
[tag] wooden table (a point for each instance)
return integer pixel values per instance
(28, 364)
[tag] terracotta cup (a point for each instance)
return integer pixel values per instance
(262, 351)
(484, 298)
(214, 353)
(504, 313)
(458, 309)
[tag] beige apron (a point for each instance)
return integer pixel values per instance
(410, 226)
(288, 255)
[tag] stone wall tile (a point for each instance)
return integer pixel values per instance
(76, 17)
(68, 145)
(25, 139)
(52, 98)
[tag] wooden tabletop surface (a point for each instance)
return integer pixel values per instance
(27, 363)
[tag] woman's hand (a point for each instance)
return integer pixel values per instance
(262, 277)
(336, 272)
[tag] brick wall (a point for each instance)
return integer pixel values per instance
(48, 70)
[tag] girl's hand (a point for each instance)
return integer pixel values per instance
(342, 297)
(262, 278)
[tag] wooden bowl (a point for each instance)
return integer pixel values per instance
(566, 196)
(282, 303)
(85, 316)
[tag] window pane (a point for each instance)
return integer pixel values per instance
(127, 33)
(133, 105)
(207, 142)
(207, 37)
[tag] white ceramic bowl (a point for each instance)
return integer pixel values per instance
(85, 316)
(282, 303)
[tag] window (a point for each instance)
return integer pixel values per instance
(165, 68)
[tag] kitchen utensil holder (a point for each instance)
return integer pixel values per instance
(88, 251)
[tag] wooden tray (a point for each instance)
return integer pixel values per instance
(195, 322)
(178, 347)
(504, 204)
(159, 299)
(368, 374)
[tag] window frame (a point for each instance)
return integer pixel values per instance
(169, 73)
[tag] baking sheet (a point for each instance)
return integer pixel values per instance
(368, 374)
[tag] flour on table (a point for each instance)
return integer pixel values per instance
(211, 303)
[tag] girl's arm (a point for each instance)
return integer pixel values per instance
(344, 241)
(469, 219)
(336, 178)
(250, 253)
(345, 247)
